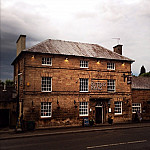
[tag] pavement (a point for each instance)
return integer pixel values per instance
(7, 133)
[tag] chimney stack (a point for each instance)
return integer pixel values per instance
(118, 49)
(21, 43)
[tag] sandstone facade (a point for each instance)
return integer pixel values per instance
(65, 96)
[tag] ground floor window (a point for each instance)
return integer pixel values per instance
(83, 109)
(46, 109)
(136, 107)
(118, 107)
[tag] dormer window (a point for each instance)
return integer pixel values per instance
(47, 61)
(110, 66)
(83, 64)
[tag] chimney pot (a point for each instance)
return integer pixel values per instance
(118, 49)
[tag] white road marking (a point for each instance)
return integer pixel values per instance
(115, 144)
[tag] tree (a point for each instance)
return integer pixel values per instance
(142, 70)
(145, 74)
(9, 82)
(1, 82)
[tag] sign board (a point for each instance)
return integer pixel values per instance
(98, 84)
(85, 122)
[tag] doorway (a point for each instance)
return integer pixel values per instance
(4, 117)
(99, 114)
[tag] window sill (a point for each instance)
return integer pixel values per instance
(84, 91)
(111, 91)
(111, 70)
(118, 114)
(83, 115)
(84, 67)
(46, 65)
(135, 112)
(45, 117)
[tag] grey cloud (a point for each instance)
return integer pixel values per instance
(130, 22)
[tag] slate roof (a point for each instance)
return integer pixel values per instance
(140, 83)
(76, 49)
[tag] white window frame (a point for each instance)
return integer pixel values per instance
(84, 85)
(83, 109)
(136, 107)
(45, 86)
(84, 64)
(46, 109)
(110, 66)
(118, 107)
(111, 85)
(47, 61)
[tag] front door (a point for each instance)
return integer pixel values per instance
(4, 117)
(99, 115)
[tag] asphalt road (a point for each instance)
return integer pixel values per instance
(121, 139)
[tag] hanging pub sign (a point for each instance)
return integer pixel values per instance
(129, 79)
(98, 84)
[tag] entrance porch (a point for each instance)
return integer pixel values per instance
(99, 109)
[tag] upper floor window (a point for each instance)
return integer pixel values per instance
(83, 64)
(46, 109)
(83, 109)
(136, 107)
(110, 66)
(111, 85)
(83, 85)
(47, 61)
(46, 84)
(118, 107)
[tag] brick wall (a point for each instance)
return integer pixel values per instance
(142, 96)
(65, 88)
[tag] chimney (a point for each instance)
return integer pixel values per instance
(21, 43)
(118, 49)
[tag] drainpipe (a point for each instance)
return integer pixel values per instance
(18, 126)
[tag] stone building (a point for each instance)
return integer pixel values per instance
(141, 96)
(61, 82)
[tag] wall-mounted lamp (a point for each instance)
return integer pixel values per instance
(75, 104)
(28, 84)
(58, 107)
(32, 103)
(57, 102)
(33, 107)
(32, 56)
(98, 62)
(66, 60)
(108, 103)
(123, 64)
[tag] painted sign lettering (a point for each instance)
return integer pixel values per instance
(97, 85)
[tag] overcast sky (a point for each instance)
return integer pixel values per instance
(90, 21)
